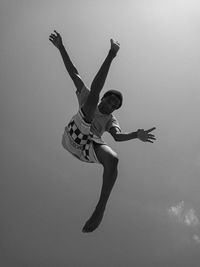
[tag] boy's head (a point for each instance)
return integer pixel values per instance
(111, 101)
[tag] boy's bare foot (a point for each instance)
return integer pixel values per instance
(94, 221)
(115, 46)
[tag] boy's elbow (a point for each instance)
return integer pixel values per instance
(117, 137)
(114, 131)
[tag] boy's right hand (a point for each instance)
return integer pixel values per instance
(56, 39)
(145, 136)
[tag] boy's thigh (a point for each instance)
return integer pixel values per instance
(105, 154)
(90, 106)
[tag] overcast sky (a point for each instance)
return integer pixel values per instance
(46, 195)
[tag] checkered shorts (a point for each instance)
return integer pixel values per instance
(82, 140)
(78, 139)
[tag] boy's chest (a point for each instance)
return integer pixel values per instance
(99, 123)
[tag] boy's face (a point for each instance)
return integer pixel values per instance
(108, 104)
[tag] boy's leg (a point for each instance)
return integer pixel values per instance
(97, 85)
(109, 160)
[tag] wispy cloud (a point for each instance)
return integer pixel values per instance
(176, 211)
(190, 218)
(196, 238)
(186, 216)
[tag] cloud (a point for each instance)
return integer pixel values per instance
(196, 239)
(187, 217)
(184, 215)
(190, 218)
(176, 211)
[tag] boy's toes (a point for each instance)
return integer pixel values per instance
(114, 45)
(88, 228)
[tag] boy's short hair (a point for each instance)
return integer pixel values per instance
(116, 93)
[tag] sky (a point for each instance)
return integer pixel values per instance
(46, 195)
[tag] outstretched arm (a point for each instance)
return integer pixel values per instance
(56, 39)
(141, 134)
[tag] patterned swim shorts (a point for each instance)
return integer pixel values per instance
(78, 139)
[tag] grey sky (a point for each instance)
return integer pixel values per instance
(47, 195)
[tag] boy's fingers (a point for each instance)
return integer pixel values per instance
(52, 38)
(149, 141)
(152, 137)
(58, 34)
(150, 130)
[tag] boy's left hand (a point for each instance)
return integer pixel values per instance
(145, 136)
(56, 39)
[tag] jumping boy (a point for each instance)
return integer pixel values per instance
(82, 136)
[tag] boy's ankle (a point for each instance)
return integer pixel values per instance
(100, 207)
(112, 53)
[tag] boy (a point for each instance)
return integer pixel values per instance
(82, 136)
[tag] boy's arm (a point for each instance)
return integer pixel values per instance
(141, 134)
(56, 39)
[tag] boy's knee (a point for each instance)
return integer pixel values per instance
(115, 160)
(112, 161)
(106, 156)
